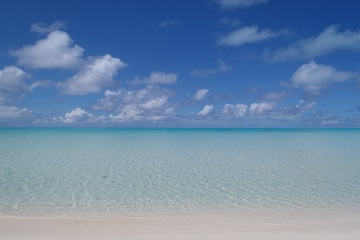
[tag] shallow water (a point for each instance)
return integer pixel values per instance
(71, 172)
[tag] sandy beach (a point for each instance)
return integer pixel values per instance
(171, 227)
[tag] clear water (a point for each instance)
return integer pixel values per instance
(99, 171)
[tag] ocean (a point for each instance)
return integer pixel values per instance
(73, 172)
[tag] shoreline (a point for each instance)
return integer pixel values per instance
(174, 226)
(181, 227)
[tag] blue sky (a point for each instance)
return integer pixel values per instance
(205, 63)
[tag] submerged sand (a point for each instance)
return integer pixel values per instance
(193, 227)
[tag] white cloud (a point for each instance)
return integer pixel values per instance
(292, 112)
(129, 113)
(112, 100)
(221, 67)
(275, 96)
(42, 28)
(330, 119)
(154, 103)
(234, 110)
(96, 75)
(232, 4)
(169, 111)
(77, 115)
(308, 106)
(157, 78)
(201, 94)
(315, 78)
(245, 35)
(151, 98)
(55, 51)
(330, 40)
(353, 120)
(260, 109)
(206, 110)
(169, 23)
(323, 118)
(147, 104)
(12, 82)
(14, 113)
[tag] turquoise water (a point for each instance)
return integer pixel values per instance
(98, 171)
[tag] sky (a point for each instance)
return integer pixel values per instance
(204, 63)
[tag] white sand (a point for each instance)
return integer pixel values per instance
(172, 227)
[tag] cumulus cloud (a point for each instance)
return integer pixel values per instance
(129, 113)
(169, 111)
(12, 82)
(221, 67)
(55, 51)
(112, 100)
(261, 109)
(201, 94)
(169, 23)
(43, 28)
(330, 40)
(237, 110)
(146, 104)
(315, 78)
(8, 114)
(156, 78)
(246, 35)
(150, 98)
(77, 115)
(206, 110)
(154, 103)
(93, 77)
(232, 4)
